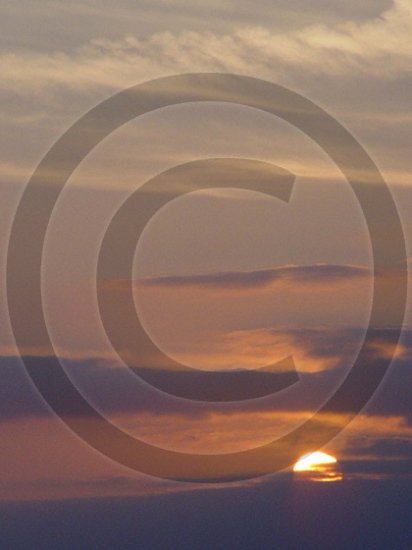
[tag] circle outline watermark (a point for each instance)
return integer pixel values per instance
(30, 227)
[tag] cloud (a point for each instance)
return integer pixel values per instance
(358, 67)
(383, 447)
(108, 385)
(349, 47)
(370, 446)
(321, 274)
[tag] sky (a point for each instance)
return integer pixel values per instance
(206, 306)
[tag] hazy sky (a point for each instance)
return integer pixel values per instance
(221, 278)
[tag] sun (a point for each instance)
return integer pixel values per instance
(313, 461)
(318, 466)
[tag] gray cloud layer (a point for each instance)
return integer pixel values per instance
(103, 382)
(311, 274)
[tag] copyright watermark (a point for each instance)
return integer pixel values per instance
(27, 242)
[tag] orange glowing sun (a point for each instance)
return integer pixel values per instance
(318, 466)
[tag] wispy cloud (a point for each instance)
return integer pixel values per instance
(322, 274)
(350, 47)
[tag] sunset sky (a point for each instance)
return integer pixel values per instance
(222, 279)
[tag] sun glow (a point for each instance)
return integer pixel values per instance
(318, 466)
(312, 461)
